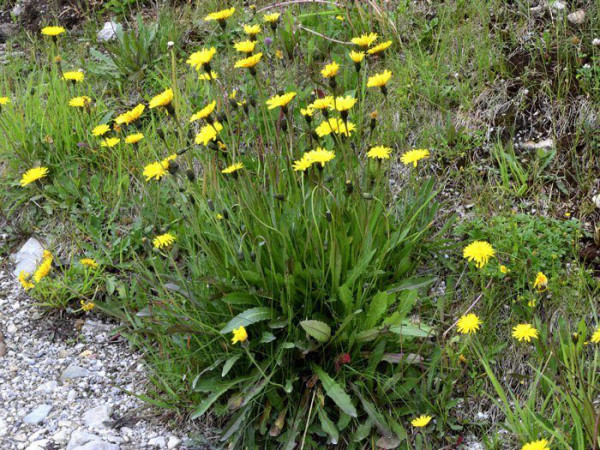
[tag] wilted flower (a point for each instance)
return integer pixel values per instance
(468, 324)
(87, 306)
(480, 252)
(33, 174)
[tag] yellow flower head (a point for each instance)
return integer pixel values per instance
(280, 100)
(271, 18)
(88, 262)
(541, 282)
(245, 46)
(163, 240)
(248, 63)
(43, 269)
(524, 332)
(205, 76)
(4, 101)
(239, 335)
(222, 15)
(365, 40)
(308, 111)
(100, 130)
(335, 125)
(344, 103)
(379, 79)
(542, 444)
(468, 324)
(233, 168)
(379, 48)
(421, 421)
(414, 156)
(80, 102)
(357, 57)
(74, 76)
(163, 99)
(204, 112)
(110, 142)
(53, 31)
(330, 70)
(596, 336)
(200, 58)
(131, 115)
(208, 133)
(319, 156)
(87, 306)
(379, 152)
(322, 103)
(134, 138)
(32, 175)
(25, 280)
(480, 252)
(302, 164)
(252, 30)
(504, 269)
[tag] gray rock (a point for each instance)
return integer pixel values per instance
(37, 415)
(577, 17)
(79, 438)
(98, 445)
(159, 442)
(108, 31)
(98, 417)
(73, 371)
(62, 437)
(38, 445)
(27, 258)
(173, 443)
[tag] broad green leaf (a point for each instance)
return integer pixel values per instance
(412, 283)
(208, 401)
(368, 335)
(410, 329)
(346, 298)
(362, 431)
(229, 364)
(316, 329)
(335, 392)
(376, 310)
(328, 426)
(248, 317)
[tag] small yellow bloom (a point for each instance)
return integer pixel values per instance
(322, 103)
(340, 18)
(25, 280)
(541, 282)
(204, 112)
(80, 102)
(414, 156)
(158, 169)
(596, 336)
(74, 76)
(330, 70)
(319, 156)
(525, 332)
(163, 99)
(280, 100)
(100, 130)
(468, 324)
(252, 30)
(239, 335)
(32, 175)
(87, 306)
(4, 101)
(379, 48)
(110, 142)
(208, 133)
(335, 125)
(308, 111)
(480, 252)
(88, 262)
(43, 269)
(245, 46)
(302, 164)
(379, 152)
(537, 445)
(220, 16)
(344, 103)
(205, 76)
(365, 40)
(421, 421)
(52, 31)
(504, 269)
(357, 57)
(233, 168)
(163, 240)
(248, 63)
(131, 115)
(134, 138)
(271, 18)
(379, 79)
(200, 58)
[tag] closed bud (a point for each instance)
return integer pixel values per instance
(210, 204)
(225, 214)
(280, 197)
(328, 216)
(252, 256)
(349, 187)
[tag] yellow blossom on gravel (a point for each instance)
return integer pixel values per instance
(163, 240)
(248, 63)
(365, 40)
(88, 262)
(32, 175)
(110, 142)
(163, 99)
(542, 444)
(52, 31)
(200, 58)
(344, 103)
(224, 14)
(80, 102)
(330, 70)
(421, 421)
(271, 18)
(4, 101)
(524, 332)
(233, 168)
(596, 336)
(74, 76)
(541, 282)
(208, 133)
(25, 280)
(357, 57)
(43, 269)
(379, 48)
(280, 100)
(87, 306)
(480, 252)
(204, 112)
(239, 335)
(131, 115)
(379, 79)
(252, 30)
(245, 46)
(100, 130)
(379, 152)
(468, 324)
(414, 156)
(134, 138)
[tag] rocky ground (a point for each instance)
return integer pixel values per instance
(64, 385)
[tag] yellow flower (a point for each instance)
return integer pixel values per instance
(357, 57)
(340, 18)
(379, 152)
(208, 133)
(25, 280)
(163, 99)
(596, 336)
(80, 102)
(278, 54)
(239, 335)
(110, 142)
(134, 138)
(365, 40)
(4, 101)
(541, 282)
(208, 76)
(468, 324)
(248, 63)
(245, 46)
(344, 103)
(414, 156)
(330, 70)
(130, 116)
(271, 18)
(33, 174)
(52, 31)
(322, 103)
(335, 125)
(280, 100)
(524, 332)
(87, 306)
(88, 262)
(163, 241)
(43, 269)
(542, 444)
(158, 169)
(379, 79)
(504, 269)
(252, 30)
(319, 156)
(421, 421)
(200, 58)
(100, 130)
(233, 168)
(222, 15)
(379, 48)
(480, 252)
(302, 164)
(204, 112)
(74, 76)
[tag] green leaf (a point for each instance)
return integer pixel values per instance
(368, 335)
(377, 309)
(328, 426)
(412, 283)
(316, 329)
(248, 317)
(346, 298)
(208, 401)
(229, 364)
(362, 431)
(335, 392)
(410, 329)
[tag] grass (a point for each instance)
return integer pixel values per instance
(348, 278)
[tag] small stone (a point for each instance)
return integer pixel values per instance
(37, 415)
(79, 438)
(577, 17)
(27, 258)
(48, 387)
(38, 445)
(72, 372)
(108, 31)
(98, 417)
(62, 437)
(72, 395)
(173, 443)
(558, 5)
(159, 442)
(11, 329)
